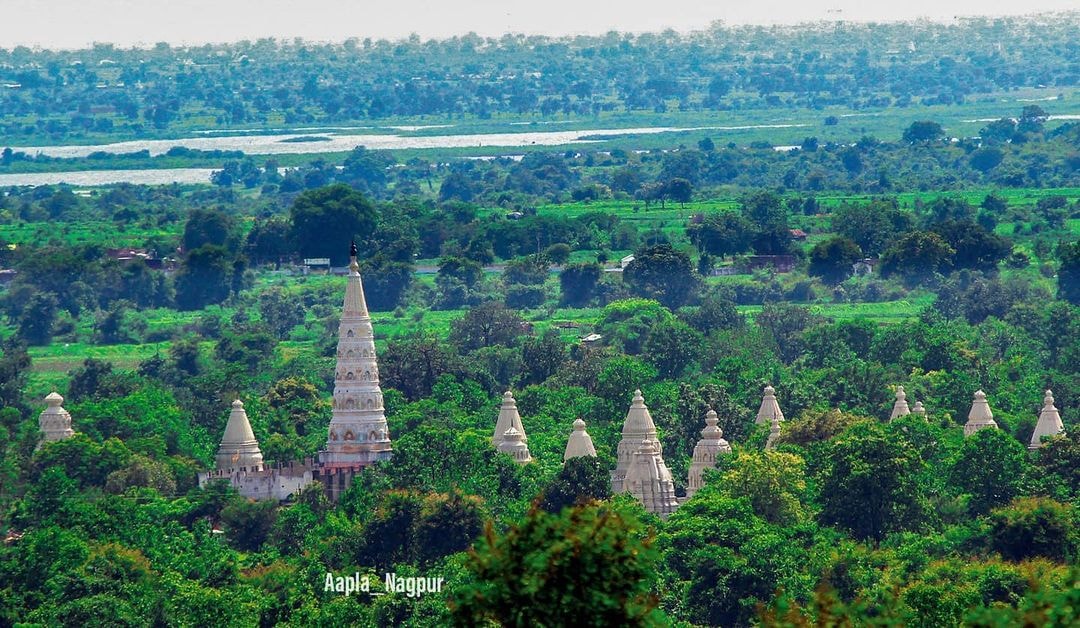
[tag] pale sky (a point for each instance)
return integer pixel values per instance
(78, 23)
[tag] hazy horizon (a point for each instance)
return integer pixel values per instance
(68, 24)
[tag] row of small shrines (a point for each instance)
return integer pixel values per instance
(640, 469)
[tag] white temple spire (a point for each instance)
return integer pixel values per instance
(54, 421)
(649, 480)
(239, 449)
(1049, 422)
(770, 408)
(774, 435)
(980, 417)
(513, 443)
(705, 452)
(919, 409)
(638, 426)
(508, 417)
(358, 434)
(900, 407)
(580, 444)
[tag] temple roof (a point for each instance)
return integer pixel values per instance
(980, 416)
(239, 449)
(513, 443)
(638, 420)
(900, 407)
(1049, 422)
(774, 435)
(770, 408)
(508, 418)
(580, 444)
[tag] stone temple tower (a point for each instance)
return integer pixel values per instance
(900, 407)
(239, 451)
(711, 444)
(770, 408)
(637, 427)
(358, 432)
(1049, 422)
(649, 480)
(508, 418)
(980, 417)
(55, 421)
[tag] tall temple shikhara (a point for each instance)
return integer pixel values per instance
(358, 433)
(357, 437)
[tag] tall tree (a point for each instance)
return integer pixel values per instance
(662, 273)
(1069, 272)
(325, 220)
(869, 468)
(527, 576)
(832, 259)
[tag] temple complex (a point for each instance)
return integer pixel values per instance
(579, 445)
(357, 437)
(769, 409)
(980, 416)
(1049, 422)
(54, 421)
(707, 449)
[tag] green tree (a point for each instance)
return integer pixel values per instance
(558, 253)
(1030, 527)
(578, 283)
(769, 217)
(662, 273)
(414, 362)
(280, 311)
(205, 278)
(325, 220)
(721, 234)
(975, 247)
(832, 259)
(923, 131)
(208, 226)
(486, 325)
(37, 319)
(672, 346)
(873, 226)
(717, 311)
(773, 482)
(870, 484)
(593, 561)
(542, 356)
(14, 369)
(917, 256)
(990, 467)
(1069, 272)
(580, 480)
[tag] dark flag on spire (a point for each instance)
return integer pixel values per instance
(352, 249)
